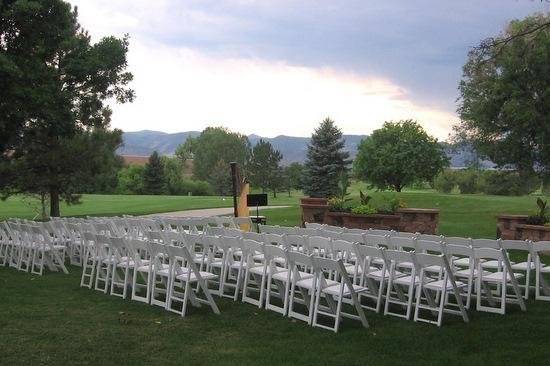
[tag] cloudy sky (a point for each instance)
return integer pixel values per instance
(279, 67)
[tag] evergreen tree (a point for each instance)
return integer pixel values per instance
(264, 166)
(326, 159)
(54, 90)
(154, 179)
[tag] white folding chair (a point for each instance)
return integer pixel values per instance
(335, 293)
(160, 278)
(501, 279)
(442, 288)
(90, 257)
(183, 274)
(525, 267)
(256, 272)
(123, 267)
(142, 278)
(372, 277)
(541, 249)
(233, 271)
(278, 279)
(303, 285)
(397, 282)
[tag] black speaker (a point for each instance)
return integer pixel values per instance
(255, 200)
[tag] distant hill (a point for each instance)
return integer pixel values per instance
(293, 148)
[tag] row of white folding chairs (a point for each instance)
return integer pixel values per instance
(156, 272)
(29, 246)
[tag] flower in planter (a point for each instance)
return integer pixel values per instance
(541, 218)
(364, 210)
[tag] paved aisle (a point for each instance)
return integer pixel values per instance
(205, 212)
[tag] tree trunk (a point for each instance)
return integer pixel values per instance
(398, 187)
(54, 202)
(274, 194)
(546, 184)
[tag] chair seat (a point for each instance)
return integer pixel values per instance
(466, 273)
(499, 276)
(308, 283)
(125, 264)
(259, 270)
(464, 262)
(406, 280)
(378, 274)
(440, 285)
(334, 290)
(435, 269)
(193, 277)
(493, 264)
(283, 275)
(408, 265)
(545, 269)
(523, 266)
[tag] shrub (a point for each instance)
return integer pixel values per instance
(467, 180)
(336, 204)
(541, 217)
(445, 181)
(364, 210)
(505, 183)
(390, 205)
(195, 187)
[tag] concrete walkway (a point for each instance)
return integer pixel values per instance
(206, 212)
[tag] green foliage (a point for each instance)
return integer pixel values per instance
(507, 183)
(154, 179)
(364, 210)
(263, 167)
(397, 155)
(542, 216)
(343, 185)
(213, 145)
(504, 91)
(325, 161)
(130, 180)
(337, 204)
(220, 178)
(445, 181)
(390, 205)
(55, 85)
(469, 180)
(364, 198)
(292, 177)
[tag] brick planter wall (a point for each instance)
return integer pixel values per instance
(352, 221)
(313, 209)
(507, 226)
(419, 220)
(533, 232)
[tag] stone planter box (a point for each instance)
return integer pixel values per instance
(425, 221)
(353, 221)
(507, 226)
(533, 232)
(313, 209)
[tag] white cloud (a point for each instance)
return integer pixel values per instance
(182, 88)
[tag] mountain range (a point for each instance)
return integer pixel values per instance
(294, 149)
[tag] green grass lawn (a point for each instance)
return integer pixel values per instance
(51, 320)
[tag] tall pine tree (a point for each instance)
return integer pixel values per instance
(264, 166)
(326, 160)
(154, 180)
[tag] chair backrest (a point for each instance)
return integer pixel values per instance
(297, 259)
(374, 240)
(355, 231)
(308, 231)
(226, 222)
(430, 237)
(485, 243)
(320, 246)
(270, 229)
(211, 230)
(402, 243)
(330, 234)
(398, 256)
(540, 246)
(353, 237)
(523, 245)
(380, 232)
(428, 246)
(253, 236)
(273, 239)
(489, 253)
(295, 242)
(424, 260)
(313, 225)
(342, 249)
(456, 240)
(272, 252)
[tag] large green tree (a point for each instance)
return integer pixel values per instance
(54, 88)
(263, 168)
(213, 145)
(292, 177)
(154, 178)
(397, 155)
(505, 97)
(326, 160)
